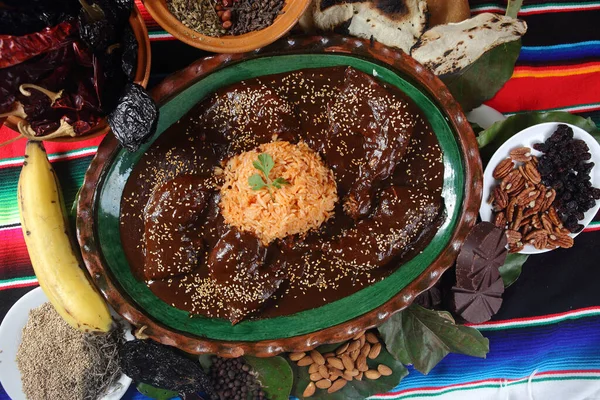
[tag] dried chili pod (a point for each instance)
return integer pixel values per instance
(129, 45)
(24, 17)
(134, 119)
(162, 366)
(17, 49)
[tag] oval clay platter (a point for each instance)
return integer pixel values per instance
(99, 205)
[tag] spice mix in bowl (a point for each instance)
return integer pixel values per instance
(227, 26)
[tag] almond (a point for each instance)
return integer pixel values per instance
(327, 355)
(375, 350)
(323, 371)
(361, 363)
(361, 334)
(317, 357)
(362, 341)
(384, 370)
(372, 374)
(315, 377)
(354, 354)
(347, 361)
(323, 384)
(296, 356)
(310, 390)
(337, 385)
(313, 368)
(365, 349)
(359, 376)
(521, 154)
(371, 338)
(335, 371)
(305, 361)
(354, 345)
(335, 363)
(342, 348)
(503, 168)
(347, 376)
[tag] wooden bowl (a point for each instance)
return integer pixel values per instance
(142, 74)
(292, 11)
(99, 205)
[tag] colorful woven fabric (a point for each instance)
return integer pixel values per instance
(545, 341)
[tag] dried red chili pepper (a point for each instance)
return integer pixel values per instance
(16, 49)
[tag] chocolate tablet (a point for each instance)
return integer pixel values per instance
(477, 306)
(483, 252)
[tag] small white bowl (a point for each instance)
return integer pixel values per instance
(10, 338)
(528, 137)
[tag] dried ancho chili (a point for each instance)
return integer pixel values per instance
(134, 119)
(65, 69)
(162, 366)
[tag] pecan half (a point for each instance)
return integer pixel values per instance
(510, 209)
(521, 154)
(512, 236)
(500, 199)
(564, 241)
(527, 196)
(548, 199)
(540, 242)
(500, 220)
(526, 229)
(518, 185)
(515, 247)
(503, 168)
(536, 222)
(547, 223)
(553, 215)
(530, 172)
(534, 235)
(517, 219)
(511, 180)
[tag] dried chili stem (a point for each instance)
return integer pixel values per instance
(52, 95)
(63, 130)
(19, 111)
(93, 11)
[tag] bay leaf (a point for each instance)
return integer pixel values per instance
(354, 390)
(493, 137)
(274, 375)
(481, 80)
(424, 337)
(511, 270)
(155, 393)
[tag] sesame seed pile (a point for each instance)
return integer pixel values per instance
(383, 155)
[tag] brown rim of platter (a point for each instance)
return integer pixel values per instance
(179, 81)
(142, 75)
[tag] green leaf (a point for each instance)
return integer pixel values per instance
(256, 182)
(274, 375)
(492, 138)
(155, 393)
(481, 80)
(511, 270)
(513, 8)
(279, 182)
(266, 162)
(424, 337)
(354, 390)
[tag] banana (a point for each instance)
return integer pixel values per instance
(54, 257)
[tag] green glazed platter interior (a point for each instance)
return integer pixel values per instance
(117, 172)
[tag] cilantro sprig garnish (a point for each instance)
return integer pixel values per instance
(257, 181)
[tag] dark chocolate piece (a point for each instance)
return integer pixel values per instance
(477, 306)
(484, 249)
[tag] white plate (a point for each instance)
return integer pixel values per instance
(537, 134)
(10, 339)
